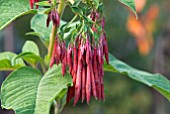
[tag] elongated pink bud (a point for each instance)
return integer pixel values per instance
(99, 56)
(63, 48)
(105, 46)
(87, 51)
(75, 59)
(99, 84)
(83, 83)
(78, 83)
(95, 60)
(69, 58)
(95, 69)
(58, 53)
(64, 62)
(74, 77)
(82, 50)
(101, 51)
(88, 84)
(93, 82)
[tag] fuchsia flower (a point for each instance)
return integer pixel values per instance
(32, 2)
(85, 59)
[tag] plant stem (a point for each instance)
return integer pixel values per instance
(60, 9)
(52, 39)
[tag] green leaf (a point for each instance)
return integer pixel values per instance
(130, 4)
(30, 46)
(7, 61)
(27, 92)
(38, 24)
(31, 58)
(43, 3)
(10, 10)
(30, 53)
(157, 81)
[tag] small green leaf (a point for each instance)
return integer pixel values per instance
(7, 61)
(43, 3)
(130, 4)
(10, 10)
(30, 46)
(27, 92)
(38, 24)
(30, 53)
(31, 58)
(157, 81)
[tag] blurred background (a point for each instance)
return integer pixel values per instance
(142, 43)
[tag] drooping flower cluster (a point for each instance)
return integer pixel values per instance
(32, 2)
(85, 59)
(59, 55)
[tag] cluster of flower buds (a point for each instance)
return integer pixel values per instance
(85, 59)
(59, 55)
(54, 17)
(32, 2)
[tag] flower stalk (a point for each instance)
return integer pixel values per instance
(60, 10)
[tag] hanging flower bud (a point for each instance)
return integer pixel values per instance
(83, 82)
(105, 46)
(69, 58)
(64, 58)
(59, 55)
(88, 84)
(54, 17)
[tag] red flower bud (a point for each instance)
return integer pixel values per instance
(88, 52)
(54, 17)
(105, 46)
(78, 82)
(88, 84)
(69, 58)
(83, 83)
(75, 59)
(64, 63)
(93, 82)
